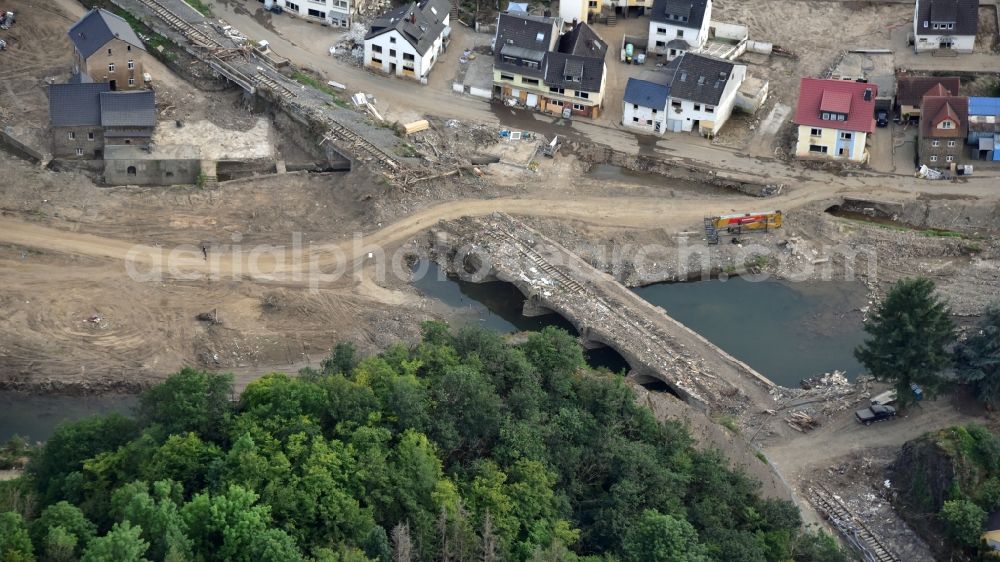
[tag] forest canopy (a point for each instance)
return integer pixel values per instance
(463, 447)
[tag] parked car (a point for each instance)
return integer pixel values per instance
(882, 118)
(874, 414)
(276, 9)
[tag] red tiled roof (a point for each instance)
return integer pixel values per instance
(816, 93)
(911, 89)
(835, 102)
(938, 108)
(936, 90)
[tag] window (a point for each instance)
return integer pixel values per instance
(79, 152)
(709, 109)
(557, 90)
(407, 56)
(392, 53)
(946, 124)
(376, 60)
(675, 104)
(90, 136)
(846, 136)
(392, 39)
(131, 81)
(570, 78)
(317, 14)
(925, 25)
(529, 81)
(635, 106)
(128, 48)
(291, 6)
(376, 48)
(580, 94)
(592, 3)
(531, 64)
(130, 170)
(111, 67)
(556, 102)
(815, 132)
(661, 44)
(131, 64)
(635, 119)
(649, 121)
(578, 107)
(697, 107)
(933, 158)
(109, 52)
(935, 143)
(72, 135)
(680, 33)
(817, 149)
(825, 116)
(951, 144)
(654, 112)
(660, 30)
(949, 158)
(506, 77)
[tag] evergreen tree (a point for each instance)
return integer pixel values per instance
(977, 359)
(910, 331)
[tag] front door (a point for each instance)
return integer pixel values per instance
(114, 85)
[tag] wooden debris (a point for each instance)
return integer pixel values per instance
(801, 421)
(416, 126)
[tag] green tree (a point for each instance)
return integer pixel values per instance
(911, 331)
(656, 537)
(15, 543)
(817, 547)
(342, 360)
(233, 527)
(123, 543)
(184, 458)
(977, 359)
(59, 545)
(190, 401)
(67, 516)
(157, 514)
(56, 468)
(963, 521)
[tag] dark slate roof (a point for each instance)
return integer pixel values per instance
(911, 89)
(128, 109)
(578, 62)
(526, 33)
(646, 94)
(668, 11)
(698, 78)
(93, 31)
(420, 23)
(74, 105)
(964, 13)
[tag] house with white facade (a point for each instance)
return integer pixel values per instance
(694, 92)
(678, 26)
(945, 25)
(644, 105)
(337, 13)
(408, 40)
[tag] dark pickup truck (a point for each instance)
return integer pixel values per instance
(876, 413)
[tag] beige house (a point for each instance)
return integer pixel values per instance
(106, 49)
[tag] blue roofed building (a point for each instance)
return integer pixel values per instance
(644, 106)
(984, 128)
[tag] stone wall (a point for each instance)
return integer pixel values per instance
(65, 147)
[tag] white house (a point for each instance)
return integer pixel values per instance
(945, 24)
(408, 40)
(678, 26)
(644, 106)
(694, 91)
(334, 12)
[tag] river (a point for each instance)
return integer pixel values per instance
(37, 416)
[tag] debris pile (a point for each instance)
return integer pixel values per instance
(834, 380)
(801, 421)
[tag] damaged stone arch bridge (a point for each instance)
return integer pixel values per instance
(604, 312)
